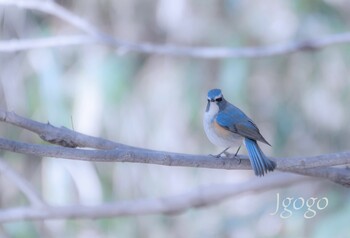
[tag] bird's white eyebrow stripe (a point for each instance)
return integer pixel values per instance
(219, 96)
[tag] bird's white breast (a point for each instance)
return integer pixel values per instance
(226, 139)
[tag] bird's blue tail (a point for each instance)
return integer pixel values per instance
(260, 163)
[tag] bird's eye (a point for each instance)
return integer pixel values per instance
(218, 99)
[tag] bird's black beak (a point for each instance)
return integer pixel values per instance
(208, 105)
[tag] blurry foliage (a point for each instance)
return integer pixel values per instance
(299, 101)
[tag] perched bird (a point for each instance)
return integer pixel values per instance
(227, 126)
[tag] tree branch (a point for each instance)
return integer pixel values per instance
(139, 155)
(337, 175)
(61, 136)
(94, 35)
(204, 196)
(115, 152)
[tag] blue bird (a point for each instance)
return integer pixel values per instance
(227, 126)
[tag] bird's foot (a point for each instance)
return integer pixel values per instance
(216, 156)
(228, 155)
(239, 159)
(234, 156)
(223, 152)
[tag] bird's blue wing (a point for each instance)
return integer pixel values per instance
(234, 120)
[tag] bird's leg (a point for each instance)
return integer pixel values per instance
(218, 155)
(239, 160)
(238, 150)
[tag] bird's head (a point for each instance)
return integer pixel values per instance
(215, 100)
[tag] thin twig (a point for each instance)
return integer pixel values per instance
(94, 35)
(200, 197)
(174, 50)
(26, 188)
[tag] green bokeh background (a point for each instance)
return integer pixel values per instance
(300, 102)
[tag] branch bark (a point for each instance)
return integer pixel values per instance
(109, 151)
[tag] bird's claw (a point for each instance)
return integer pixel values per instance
(216, 156)
(228, 155)
(239, 159)
(234, 156)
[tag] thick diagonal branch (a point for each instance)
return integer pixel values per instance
(109, 151)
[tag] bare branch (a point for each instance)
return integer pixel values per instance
(139, 155)
(64, 136)
(95, 36)
(173, 50)
(23, 185)
(204, 196)
(337, 175)
(115, 152)
(61, 136)
(123, 155)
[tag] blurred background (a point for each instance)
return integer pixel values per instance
(300, 103)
